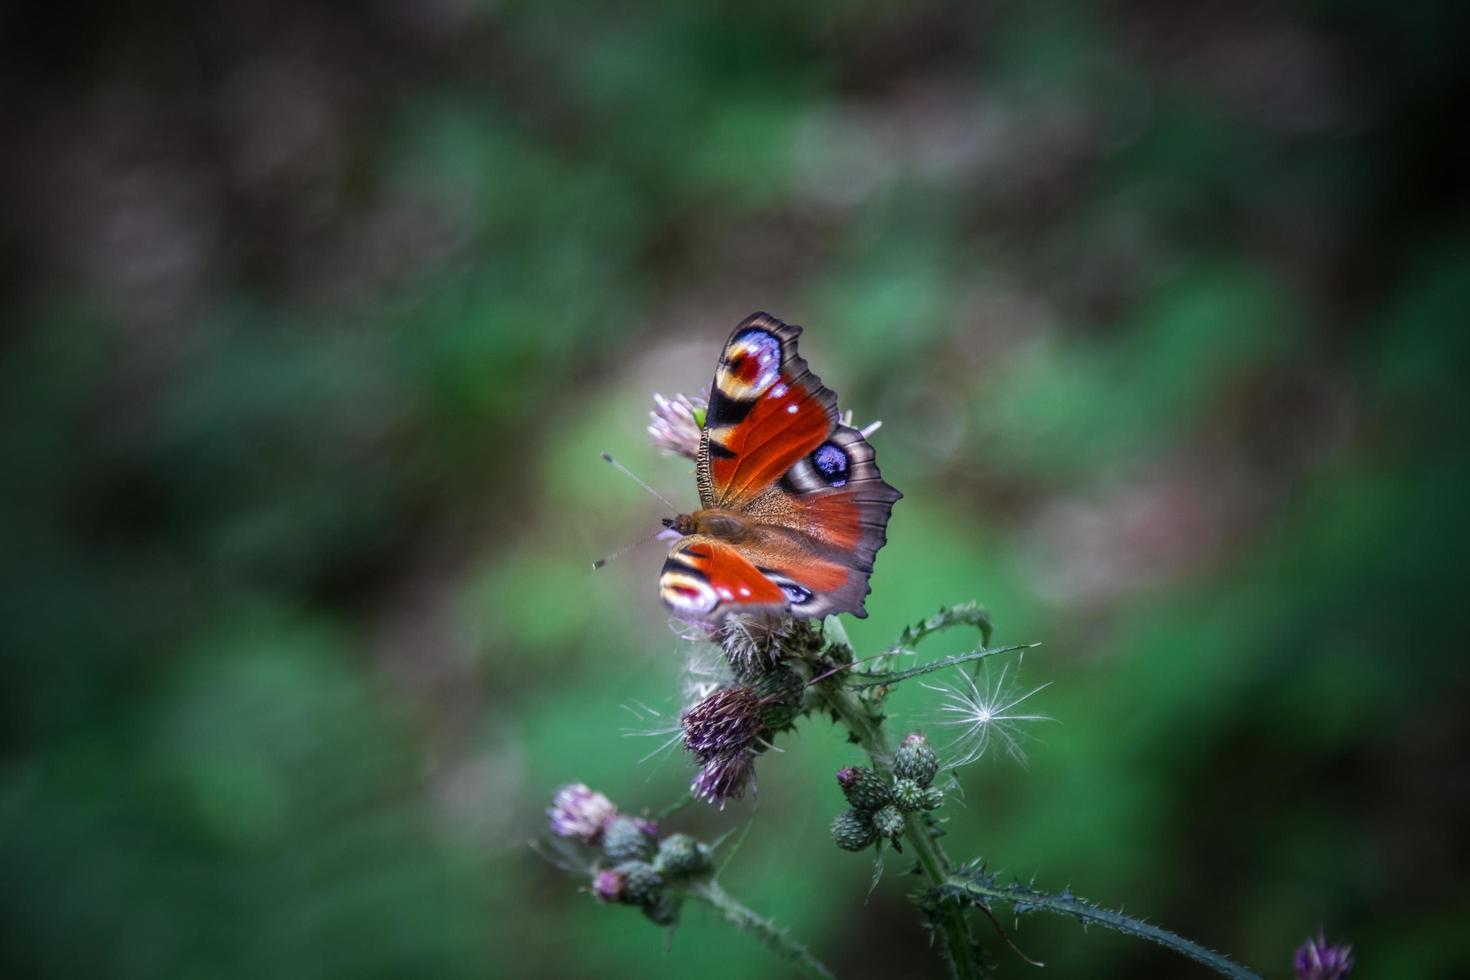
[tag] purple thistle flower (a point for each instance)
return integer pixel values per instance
(728, 720)
(580, 812)
(607, 886)
(677, 423)
(724, 778)
(1316, 960)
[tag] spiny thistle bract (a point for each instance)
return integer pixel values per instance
(681, 856)
(888, 822)
(853, 831)
(915, 760)
(908, 795)
(864, 788)
(642, 885)
(625, 838)
(751, 643)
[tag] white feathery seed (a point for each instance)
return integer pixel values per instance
(983, 713)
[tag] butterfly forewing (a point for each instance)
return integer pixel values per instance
(766, 411)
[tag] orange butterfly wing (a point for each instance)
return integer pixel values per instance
(703, 574)
(775, 452)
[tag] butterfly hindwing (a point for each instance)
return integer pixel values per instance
(703, 574)
(811, 506)
(705, 578)
(841, 496)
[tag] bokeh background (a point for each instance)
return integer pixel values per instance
(319, 315)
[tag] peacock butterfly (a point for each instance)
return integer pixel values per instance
(793, 508)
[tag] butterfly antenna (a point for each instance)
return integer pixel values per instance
(620, 552)
(634, 477)
(625, 549)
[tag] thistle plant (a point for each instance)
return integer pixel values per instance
(767, 676)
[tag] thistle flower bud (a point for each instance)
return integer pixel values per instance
(916, 760)
(607, 885)
(579, 812)
(864, 788)
(625, 839)
(727, 720)
(1316, 960)
(933, 799)
(642, 885)
(889, 822)
(681, 856)
(908, 795)
(853, 830)
(724, 778)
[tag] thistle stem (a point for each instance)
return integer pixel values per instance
(855, 714)
(760, 927)
(986, 891)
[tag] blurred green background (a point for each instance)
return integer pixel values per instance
(319, 316)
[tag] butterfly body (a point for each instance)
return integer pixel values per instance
(793, 510)
(724, 524)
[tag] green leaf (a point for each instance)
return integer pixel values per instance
(893, 677)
